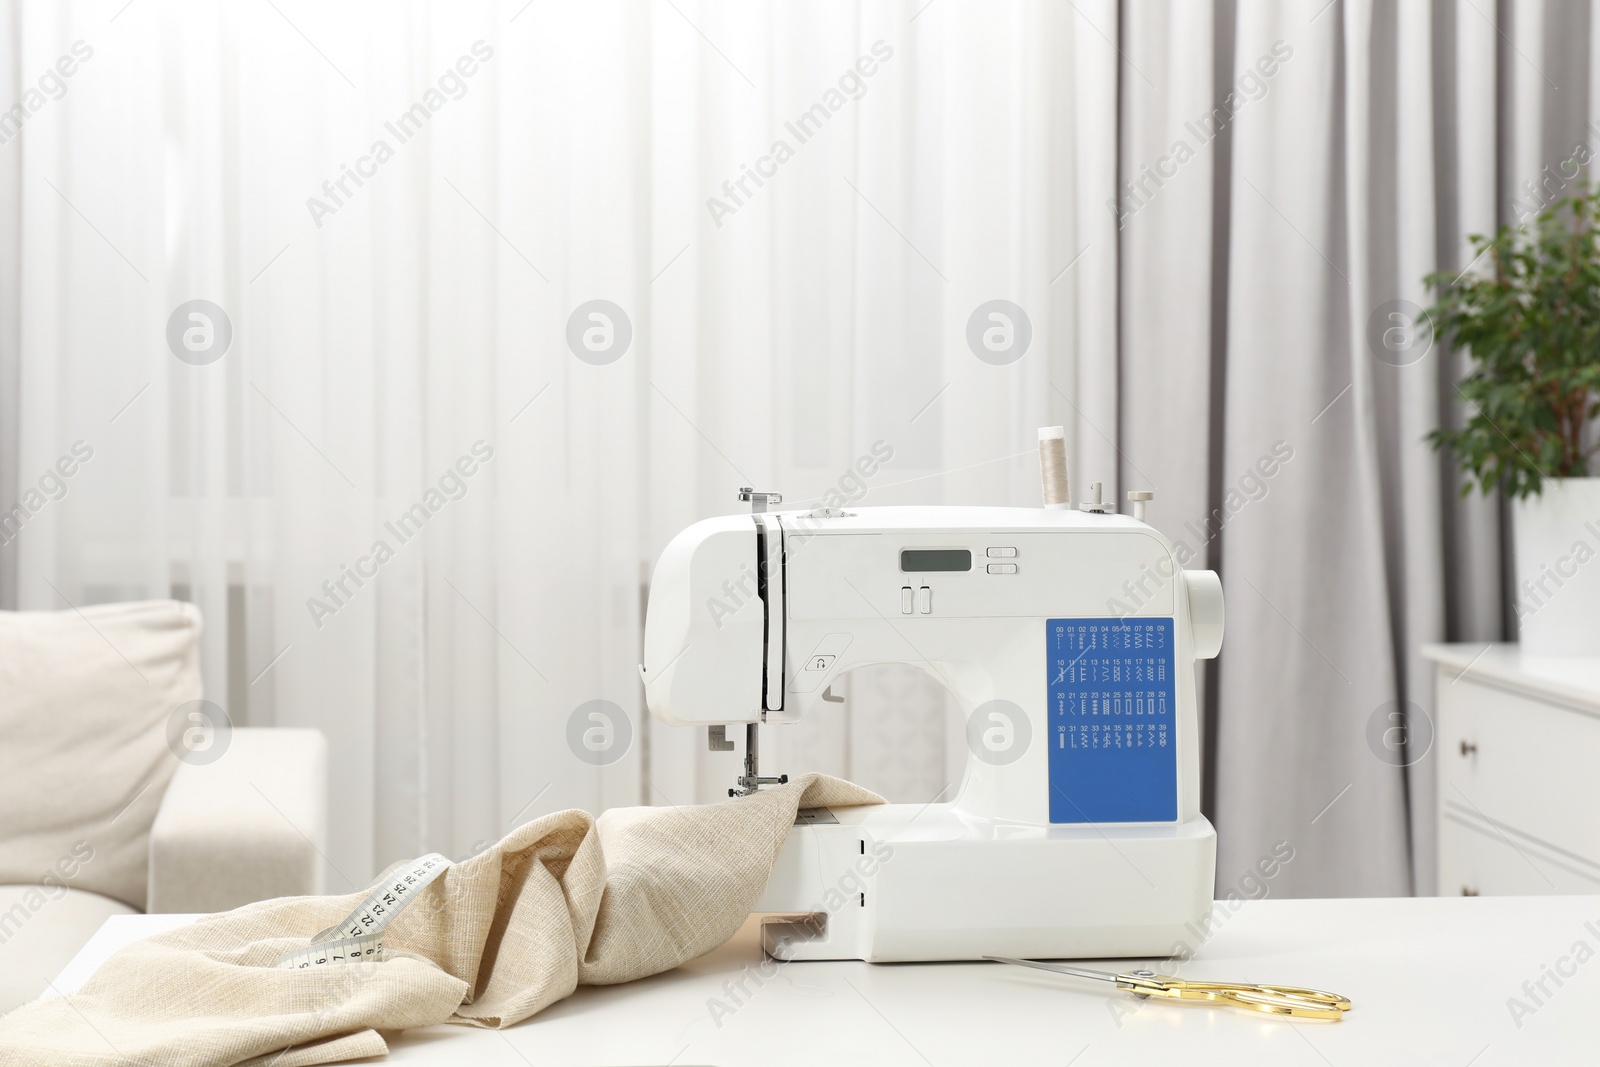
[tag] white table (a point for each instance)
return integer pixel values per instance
(1430, 979)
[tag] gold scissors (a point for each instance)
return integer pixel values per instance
(1273, 999)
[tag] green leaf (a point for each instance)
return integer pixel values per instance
(1529, 318)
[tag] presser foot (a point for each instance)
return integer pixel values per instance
(749, 785)
(752, 779)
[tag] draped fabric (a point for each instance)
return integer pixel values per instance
(563, 900)
(797, 216)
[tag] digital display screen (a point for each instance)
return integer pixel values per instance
(935, 559)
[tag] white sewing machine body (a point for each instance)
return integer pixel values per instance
(1068, 640)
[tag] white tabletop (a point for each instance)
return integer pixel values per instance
(1569, 680)
(1431, 980)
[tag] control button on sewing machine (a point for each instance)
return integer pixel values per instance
(905, 600)
(819, 663)
(925, 600)
(1002, 568)
(1002, 553)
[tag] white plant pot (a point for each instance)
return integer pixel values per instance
(1557, 556)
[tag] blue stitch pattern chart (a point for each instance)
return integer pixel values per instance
(1112, 720)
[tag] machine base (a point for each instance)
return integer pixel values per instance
(904, 882)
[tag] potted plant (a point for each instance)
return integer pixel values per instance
(1530, 317)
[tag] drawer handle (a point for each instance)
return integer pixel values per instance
(1468, 748)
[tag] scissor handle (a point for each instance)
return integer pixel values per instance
(1288, 1000)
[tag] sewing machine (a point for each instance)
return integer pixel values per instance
(1068, 638)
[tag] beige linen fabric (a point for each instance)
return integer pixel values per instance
(563, 900)
(85, 696)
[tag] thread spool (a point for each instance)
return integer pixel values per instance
(1053, 467)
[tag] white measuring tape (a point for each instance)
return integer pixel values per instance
(359, 937)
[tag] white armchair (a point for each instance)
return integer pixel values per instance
(249, 827)
(103, 811)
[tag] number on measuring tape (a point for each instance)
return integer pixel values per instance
(357, 938)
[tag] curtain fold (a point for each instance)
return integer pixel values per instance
(516, 292)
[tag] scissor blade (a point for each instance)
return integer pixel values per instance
(1057, 968)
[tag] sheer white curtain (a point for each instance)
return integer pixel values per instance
(390, 325)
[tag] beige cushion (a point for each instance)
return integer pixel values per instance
(84, 701)
(41, 929)
(250, 826)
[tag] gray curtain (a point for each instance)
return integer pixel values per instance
(10, 291)
(1340, 151)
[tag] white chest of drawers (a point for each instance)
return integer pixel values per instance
(1518, 748)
